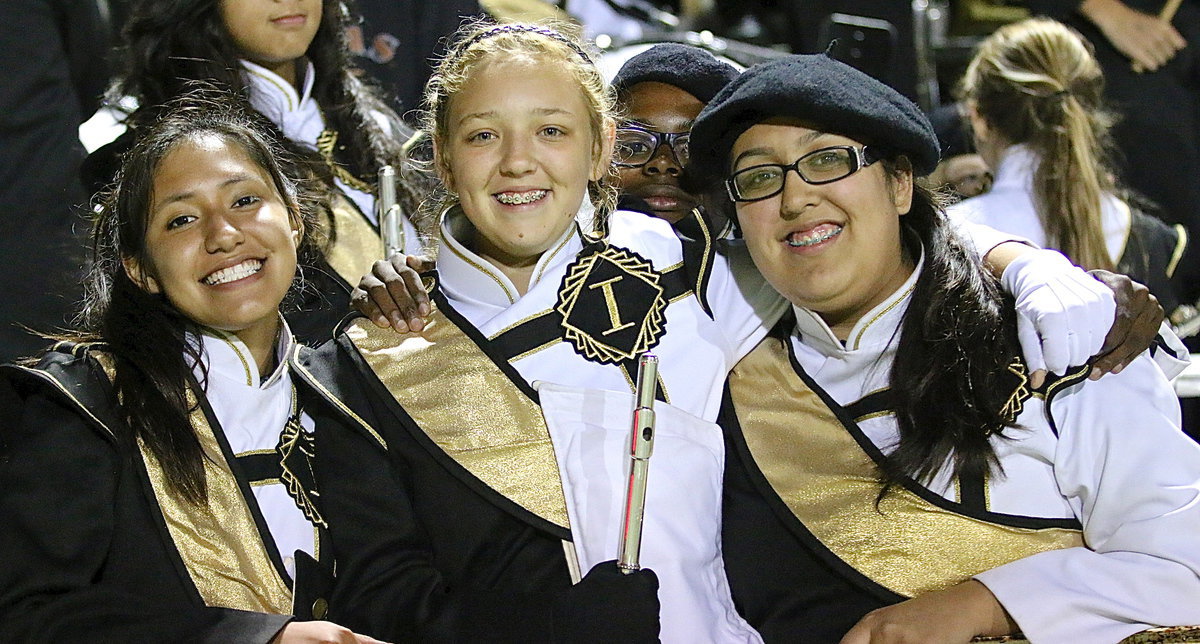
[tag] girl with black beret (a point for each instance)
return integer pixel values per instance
(904, 480)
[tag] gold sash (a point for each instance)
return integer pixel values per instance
(219, 541)
(907, 544)
(356, 245)
(469, 408)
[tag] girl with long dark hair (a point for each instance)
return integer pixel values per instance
(157, 473)
(903, 455)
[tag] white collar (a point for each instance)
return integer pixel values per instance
(1017, 165)
(227, 357)
(277, 99)
(876, 328)
(467, 276)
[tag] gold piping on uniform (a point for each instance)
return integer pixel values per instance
(875, 318)
(904, 543)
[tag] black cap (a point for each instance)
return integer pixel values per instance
(816, 88)
(689, 68)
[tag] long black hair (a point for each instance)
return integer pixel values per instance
(145, 333)
(950, 378)
(167, 43)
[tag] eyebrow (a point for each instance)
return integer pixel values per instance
(687, 125)
(540, 111)
(183, 196)
(753, 152)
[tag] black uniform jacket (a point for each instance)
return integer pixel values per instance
(423, 549)
(87, 553)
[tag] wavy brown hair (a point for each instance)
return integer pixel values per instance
(168, 44)
(1037, 83)
(145, 333)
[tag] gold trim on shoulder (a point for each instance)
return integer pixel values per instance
(906, 544)
(469, 408)
(1021, 392)
(294, 363)
(326, 143)
(219, 541)
(356, 244)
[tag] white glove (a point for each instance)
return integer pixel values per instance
(1063, 314)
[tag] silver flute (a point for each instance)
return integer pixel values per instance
(641, 446)
(390, 226)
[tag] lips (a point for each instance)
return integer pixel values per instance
(813, 236)
(294, 20)
(238, 271)
(666, 198)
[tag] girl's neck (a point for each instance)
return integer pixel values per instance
(261, 340)
(518, 270)
(288, 71)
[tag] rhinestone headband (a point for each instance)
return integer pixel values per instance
(500, 30)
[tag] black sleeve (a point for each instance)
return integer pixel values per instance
(61, 482)
(387, 584)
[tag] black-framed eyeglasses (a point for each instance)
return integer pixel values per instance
(636, 145)
(817, 167)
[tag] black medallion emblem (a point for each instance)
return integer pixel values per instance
(611, 305)
(296, 450)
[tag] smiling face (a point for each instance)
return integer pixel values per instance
(519, 151)
(833, 248)
(220, 244)
(272, 33)
(662, 108)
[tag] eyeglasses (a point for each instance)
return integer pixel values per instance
(637, 145)
(817, 167)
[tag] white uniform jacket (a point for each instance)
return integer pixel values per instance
(1114, 458)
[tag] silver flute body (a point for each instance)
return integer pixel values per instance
(390, 226)
(641, 446)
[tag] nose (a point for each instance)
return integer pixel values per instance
(517, 159)
(222, 234)
(798, 195)
(663, 162)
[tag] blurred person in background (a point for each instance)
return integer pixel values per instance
(52, 73)
(1033, 94)
(1153, 83)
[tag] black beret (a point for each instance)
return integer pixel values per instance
(689, 68)
(816, 88)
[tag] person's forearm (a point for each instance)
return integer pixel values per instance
(1101, 12)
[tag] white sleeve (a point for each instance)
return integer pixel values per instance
(744, 305)
(985, 238)
(1133, 479)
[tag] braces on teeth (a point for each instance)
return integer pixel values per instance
(517, 199)
(810, 241)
